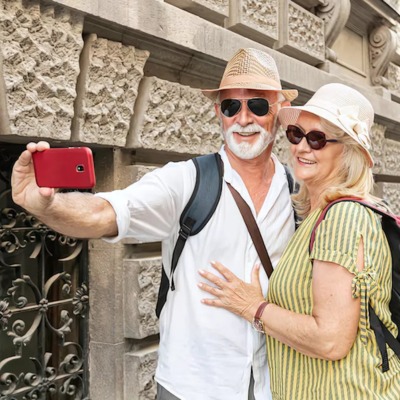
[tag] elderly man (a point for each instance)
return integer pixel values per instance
(204, 353)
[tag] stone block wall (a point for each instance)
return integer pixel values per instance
(122, 77)
(141, 281)
(392, 194)
(255, 19)
(40, 50)
(302, 34)
(107, 91)
(172, 117)
(139, 374)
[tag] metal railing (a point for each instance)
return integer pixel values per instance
(43, 304)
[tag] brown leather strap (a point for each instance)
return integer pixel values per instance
(254, 232)
(260, 309)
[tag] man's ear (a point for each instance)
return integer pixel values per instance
(285, 103)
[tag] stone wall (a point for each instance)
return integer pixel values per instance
(122, 77)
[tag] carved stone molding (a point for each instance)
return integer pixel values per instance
(335, 14)
(395, 4)
(378, 147)
(256, 19)
(309, 4)
(301, 34)
(382, 49)
(212, 10)
(393, 76)
(391, 157)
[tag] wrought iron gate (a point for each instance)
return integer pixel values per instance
(43, 303)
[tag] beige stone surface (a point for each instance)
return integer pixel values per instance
(182, 29)
(391, 193)
(255, 19)
(106, 362)
(4, 117)
(132, 173)
(392, 157)
(176, 118)
(393, 76)
(395, 4)
(141, 279)
(262, 14)
(301, 34)
(378, 146)
(40, 46)
(138, 171)
(139, 368)
(212, 10)
(107, 90)
(281, 146)
(352, 51)
(106, 288)
(306, 30)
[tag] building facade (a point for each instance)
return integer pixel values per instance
(122, 77)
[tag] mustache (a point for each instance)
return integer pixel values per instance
(245, 129)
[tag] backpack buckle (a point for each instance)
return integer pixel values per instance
(186, 227)
(184, 232)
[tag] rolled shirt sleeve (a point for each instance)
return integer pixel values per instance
(148, 210)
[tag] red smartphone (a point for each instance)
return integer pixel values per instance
(66, 168)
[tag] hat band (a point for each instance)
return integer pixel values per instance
(248, 79)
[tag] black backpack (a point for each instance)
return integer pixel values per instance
(198, 211)
(391, 227)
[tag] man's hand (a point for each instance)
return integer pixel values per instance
(25, 191)
(76, 214)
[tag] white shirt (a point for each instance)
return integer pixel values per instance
(206, 353)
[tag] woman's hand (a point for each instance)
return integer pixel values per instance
(232, 293)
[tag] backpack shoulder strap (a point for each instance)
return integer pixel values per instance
(292, 185)
(197, 212)
(202, 203)
(293, 188)
(206, 194)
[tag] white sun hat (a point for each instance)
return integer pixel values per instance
(342, 106)
(251, 69)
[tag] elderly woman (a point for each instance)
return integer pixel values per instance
(316, 320)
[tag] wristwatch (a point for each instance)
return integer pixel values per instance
(258, 325)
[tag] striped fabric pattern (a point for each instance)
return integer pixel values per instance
(358, 376)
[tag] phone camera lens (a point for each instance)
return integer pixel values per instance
(80, 168)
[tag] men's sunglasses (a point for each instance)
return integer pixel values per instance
(315, 139)
(257, 105)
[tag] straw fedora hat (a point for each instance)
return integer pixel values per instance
(251, 69)
(342, 106)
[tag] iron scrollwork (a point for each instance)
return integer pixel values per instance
(44, 299)
(5, 314)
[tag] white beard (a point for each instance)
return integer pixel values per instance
(245, 150)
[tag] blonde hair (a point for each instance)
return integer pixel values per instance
(353, 179)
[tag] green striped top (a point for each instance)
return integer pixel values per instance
(358, 376)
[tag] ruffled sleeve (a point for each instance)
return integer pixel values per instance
(364, 285)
